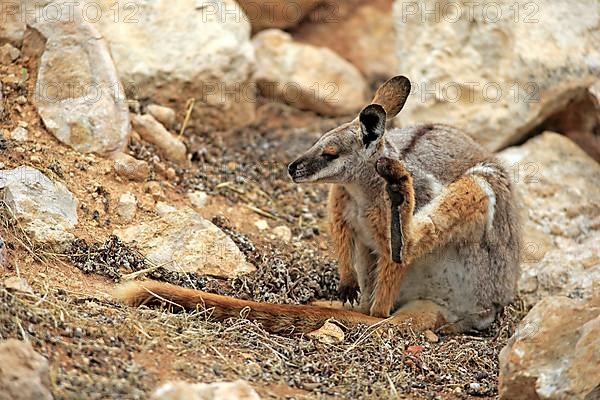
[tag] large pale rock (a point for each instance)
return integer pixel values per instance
(554, 354)
(559, 186)
(237, 390)
(171, 52)
(15, 14)
(580, 121)
(362, 34)
(24, 373)
(183, 241)
(77, 90)
(8, 54)
(281, 14)
(495, 69)
(46, 210)
(305, 76)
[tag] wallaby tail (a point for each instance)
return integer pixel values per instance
(275, 318)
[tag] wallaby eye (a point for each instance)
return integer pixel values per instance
(330, 153)
(329, 157)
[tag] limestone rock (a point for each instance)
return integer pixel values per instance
(579, 121)
(12, 27)
(171, 52)
(155, 189)
(164, 115)
(24, 373)
(77, 90)
(184, 241)
(261, 225)
(45, 209)
(131, 168)
(329, 333)
(283, 233)
(362, 34)
(19, 134)
(163, 208)
(497, 70)
(126, 207)
(198, 198)
(237, 390)
(307, 77)
(555, 353)
(281, 14)
(154, 132)
(559, 186)
(17, 284)
(8, 54)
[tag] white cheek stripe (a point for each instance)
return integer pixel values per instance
(482, 169)
(489, 191)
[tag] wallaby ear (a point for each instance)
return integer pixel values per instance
(372, 123)
(392, 95)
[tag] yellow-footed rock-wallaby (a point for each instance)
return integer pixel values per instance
(423, 218)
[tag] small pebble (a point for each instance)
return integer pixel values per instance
(128, 167)
(8, 54)
(283, 233)
(19, 134)
(261, 224)
(431, 337)
(198, 198)
(155, 190)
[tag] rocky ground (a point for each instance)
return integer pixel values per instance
(154, 181)
(99, 348)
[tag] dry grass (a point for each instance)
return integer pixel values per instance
(95, 346)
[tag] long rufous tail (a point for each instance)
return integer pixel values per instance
(275, 318)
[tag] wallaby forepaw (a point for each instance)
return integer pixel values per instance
(348, 290)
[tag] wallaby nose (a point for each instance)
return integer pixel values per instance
(292, 168)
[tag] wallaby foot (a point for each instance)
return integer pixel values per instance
(422, 314)
(348, 289)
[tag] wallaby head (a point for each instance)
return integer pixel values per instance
(335, 157)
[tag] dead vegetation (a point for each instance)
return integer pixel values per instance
(96, 345)
(99, 343)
